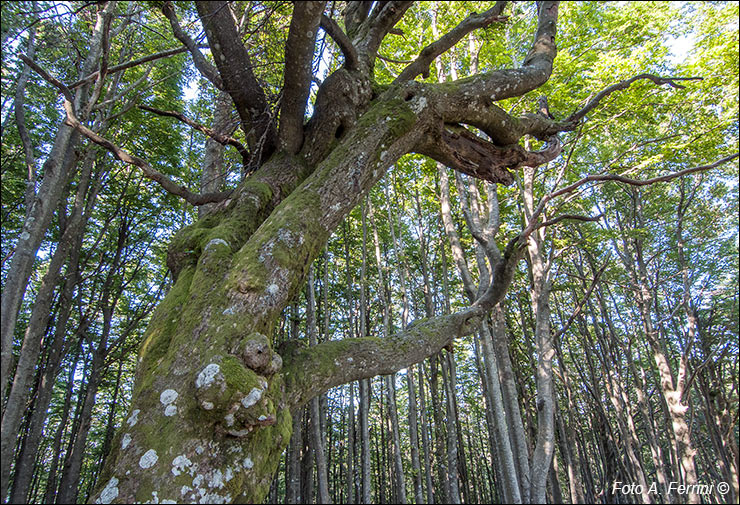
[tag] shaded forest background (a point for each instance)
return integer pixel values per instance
(644, 290)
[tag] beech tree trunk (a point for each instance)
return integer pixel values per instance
(212, 400)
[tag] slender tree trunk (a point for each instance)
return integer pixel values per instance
(293, 458)
(429, 312)
(506, 457)
(414, 438)
(441, 459)
(68, 486)
(34, 335)
(213, 174)
(449, 384)
(425, 442)
(540, 294)
(51, 481)
(317, 440)
(293, 484)
(364, 383)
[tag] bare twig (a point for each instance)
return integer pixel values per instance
(168, 184)
(613, 177)
(218, 137)
(581, 303)
(123, 66)
(671, 81)
(570, 217)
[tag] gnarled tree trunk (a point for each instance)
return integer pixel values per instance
(212, 400)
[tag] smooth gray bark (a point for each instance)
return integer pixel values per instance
(55, 174)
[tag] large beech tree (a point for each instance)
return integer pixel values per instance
(212, 401)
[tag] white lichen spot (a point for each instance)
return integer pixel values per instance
(170, 410)
(25, 235)
(110, 492)
(223, 58)
(229, 419)
(168, 396)
(252, 398)
(179, 464)
(168, 501)
(207, 405)
(418, 104)
(229, 311)
(125, 440)
(217, 479)
(273, 289)
(149, 459)
(215, 498)
(248, 463)
(228, 474)
(198, 480)
(207, 375)
(215, 242)
(185, 490)
(262, 418)
(199, 449)
(349, 360)
(134, 418)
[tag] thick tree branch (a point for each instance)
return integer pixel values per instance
(592, 104)
(355, 14)
(474, 156)
(379, 23)
(206, 69)
(235, 68)
(427, 55)
(299, 49)
(309, 372)
(218, 137)
(503, 274)
(471, 100)
(345, 44)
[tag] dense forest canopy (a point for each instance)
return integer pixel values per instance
(369, 252)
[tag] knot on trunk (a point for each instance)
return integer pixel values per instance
(255, 352)
(236, 397)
